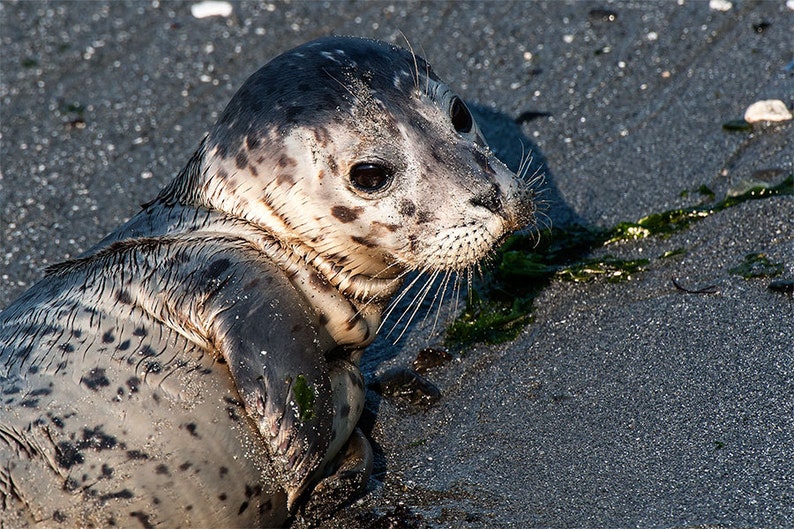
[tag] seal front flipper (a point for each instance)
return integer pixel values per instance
(282, 377)
(351, 471)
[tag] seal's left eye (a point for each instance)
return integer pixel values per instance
(461, 117)
(370, 177)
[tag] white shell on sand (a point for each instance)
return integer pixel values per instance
(767, 110)
(211, 9)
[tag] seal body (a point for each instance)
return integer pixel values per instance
(199, 366)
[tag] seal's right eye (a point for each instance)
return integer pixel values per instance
(461, 117)
(370, 177)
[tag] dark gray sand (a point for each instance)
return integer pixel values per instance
(620, 405)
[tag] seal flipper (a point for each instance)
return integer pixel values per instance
(352, 469)
(282, 377)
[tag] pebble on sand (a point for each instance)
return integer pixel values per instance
(767, 110)
(211, 9)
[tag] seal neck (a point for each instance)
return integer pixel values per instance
(349, 306)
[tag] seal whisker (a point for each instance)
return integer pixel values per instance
(416, 303)
(439, 296)
(396, 301)
(415, 73)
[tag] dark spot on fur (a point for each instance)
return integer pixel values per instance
(137, 455)
(250, 491)
(424, 217)
(390, 227)
(67, 455)
(108, 337)
(33, 370)
(332, 165)
(364, 241)
(191, 427)
(39, 392)
(216, 268)
(12, 390)
(153, 367)
(71, 484)
(346, 214)
(223, 471)
(67, 347)
(321, 135)
(140, 331)
(123, 297)
(189, 508)
(57, 421)
(285, 178)
(356, 380)
(107, 472)
(147, 351)
(407, 208)
(77, 333)
(286, 161)
(222, 496)
(252, 141)
(123, 346)
(344, 411)
(162, 470)
(319, 282)
(95, 379)
(243, 507)
(186, 465)
(59, 517)
(241, 160)
(124, 494)
(253, 170)
(133, 383)
(97, 439)
(323, 319)
(29, 403)
(232, 413)
(437, 155)
(222, 174)
(143, 519)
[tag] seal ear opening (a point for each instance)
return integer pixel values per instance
(461, 117)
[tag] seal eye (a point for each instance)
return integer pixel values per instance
(370, 177)
(461, 117)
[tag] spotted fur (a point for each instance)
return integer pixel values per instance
(199, 366)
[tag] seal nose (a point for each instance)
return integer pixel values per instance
(489, 199)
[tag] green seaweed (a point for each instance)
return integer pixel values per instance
(304, 397)
(757, 265)
(613, 270)
(674, 220)
(673, 253)
(500, 302)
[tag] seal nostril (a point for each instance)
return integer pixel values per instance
(489, 199)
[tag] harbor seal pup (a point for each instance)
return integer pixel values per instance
(199, 366)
